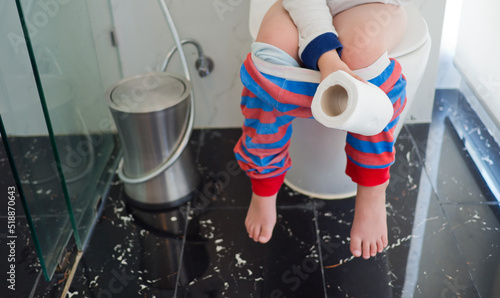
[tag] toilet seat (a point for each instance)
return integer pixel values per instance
(415, 37)
(417, 33)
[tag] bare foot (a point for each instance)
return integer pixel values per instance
(369, 229)
(261, 218)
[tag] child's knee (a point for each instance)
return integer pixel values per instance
(357, 56)
(367, 31)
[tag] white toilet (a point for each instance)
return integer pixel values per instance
(317, 152)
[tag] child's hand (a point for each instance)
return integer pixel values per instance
(330, 62)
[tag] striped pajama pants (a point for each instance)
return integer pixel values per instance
(269, 105)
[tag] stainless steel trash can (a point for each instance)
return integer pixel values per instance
(151, 113)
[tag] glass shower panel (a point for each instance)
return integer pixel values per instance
(31, 153)
(76, 61)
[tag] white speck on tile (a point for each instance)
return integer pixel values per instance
(219, 248)
(117, 209)
(94, 282)
(427, 219)
(249, 272)
(217, 241)
(48, 191)
(204, 222)
(127, 218)
(173, 218)
(241, 262)
(71, 294)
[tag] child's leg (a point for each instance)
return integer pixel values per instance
(367, 32)
(277, 29)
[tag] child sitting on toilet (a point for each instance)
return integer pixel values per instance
(325, 35)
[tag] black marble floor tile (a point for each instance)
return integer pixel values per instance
(435, 266)
(442, 243)
(477, 231)
(419, 132)
(406, 170)
(224, 184)
(454, 176)
(28, 272)
(423, 262)
(383, 276)
(213, 152)
(453, 172)
(132, 252)
(235, 266)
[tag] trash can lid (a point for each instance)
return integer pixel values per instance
(148, 92)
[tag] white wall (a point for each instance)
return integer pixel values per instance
(477, 51)
(221, 26)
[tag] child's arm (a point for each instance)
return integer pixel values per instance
(316, 32)
(330, 62)
(319, 47)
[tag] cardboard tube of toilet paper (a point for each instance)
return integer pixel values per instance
(345, 103)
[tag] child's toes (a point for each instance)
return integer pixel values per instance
(249, 231)
(384, 241)
(265, 234)
(366, 250)
(256, 233)
(356, 247)
(373, 249)
(380, 245)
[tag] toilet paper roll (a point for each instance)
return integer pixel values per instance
(345, 103)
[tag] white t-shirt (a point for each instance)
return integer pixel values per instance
(338, 6)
